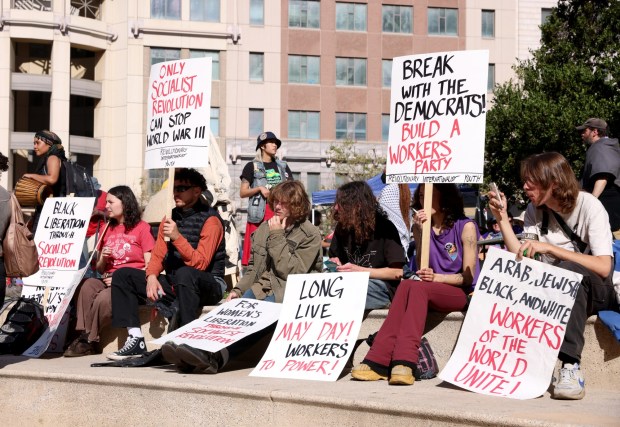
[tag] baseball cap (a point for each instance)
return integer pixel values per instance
(593, 123)
(267, 136)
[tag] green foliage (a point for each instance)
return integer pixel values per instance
(573, 76)
(353, 163)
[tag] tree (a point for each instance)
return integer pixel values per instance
(572, 76)
(354, 164)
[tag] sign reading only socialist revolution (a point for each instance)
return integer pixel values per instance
(179, 108)
(438, 117)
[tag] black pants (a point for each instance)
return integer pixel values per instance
(594, 295)
(2, 281)
(193, 289)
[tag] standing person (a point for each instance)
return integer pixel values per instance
(127, 243)
(366, 240)
(48, 146)
(601, 170)
(286, 244)
(557, 204)
(193, 260)
(5, 219)
(443, 286)
(257, 178)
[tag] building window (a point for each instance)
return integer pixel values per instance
(303, 124)
(86, 8)
(491, 78)
(257, 12)
(166, 9)
(161, 55)
(204, 10)
(215, 121)
(304, 69)
(397, 19)
(385, 127)
(442, 21)
(304, 13)
(545, 13)
(488, 24)
(350, 72)
(257, 65)
(351, 126)
(351, 16)
(215, 60)
(386, 72)
(313, 182)
(40, 5)
(256, 125)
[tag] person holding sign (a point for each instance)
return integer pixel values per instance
(257, 178)
(573, 233)
(366, 240)
(193, 261)
(444, 286)
(5, 220)
(127, 243)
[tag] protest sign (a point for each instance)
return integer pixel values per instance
(178, 116)
(225, 325)
(514, 327)
(437, 117)
(316, 333)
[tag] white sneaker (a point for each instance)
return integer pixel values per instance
(570, 384)
(134, 347)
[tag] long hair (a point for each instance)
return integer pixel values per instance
(450, 202)
(293, 193)
(357, 209)
(4, 163)
(404, 201)
(131, 208)
(549, 170)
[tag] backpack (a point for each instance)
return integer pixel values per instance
(256, 204)
(20, 252)
(427, 367)
(23, 326)
(78, 181)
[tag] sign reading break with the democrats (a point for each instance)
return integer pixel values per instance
(514, 327)
(318, 326)
(437, 117)
(179, 108)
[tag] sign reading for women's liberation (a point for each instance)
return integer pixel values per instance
(514, 327)
(319, 324)
(225, 325)
(179, 111)
(438, 117)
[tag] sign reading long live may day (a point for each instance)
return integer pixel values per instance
(514, 327)
(438, 117)
(318, 326)
(179, 110)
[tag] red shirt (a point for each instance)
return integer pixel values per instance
(128, 247)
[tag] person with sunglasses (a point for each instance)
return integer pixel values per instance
(193, 260)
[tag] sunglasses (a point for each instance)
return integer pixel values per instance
(182, 188)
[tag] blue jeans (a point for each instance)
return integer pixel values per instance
(249, 294)
(377, 295)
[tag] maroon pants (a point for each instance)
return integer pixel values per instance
(399, 338)
(94, 308)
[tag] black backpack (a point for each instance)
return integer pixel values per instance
(23, 326)
(78, 181)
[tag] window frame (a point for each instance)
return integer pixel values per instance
(352, 21)
(351, 70)
(442, 20)
(485, 24)
(307, 11)
(307, 63)
(351, 132)
(307, 116)
(396, 19)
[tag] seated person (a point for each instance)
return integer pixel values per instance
(444, 286)
(366, 240)
(127, 242)
(193, 260)
(555, 204)
(285, 244)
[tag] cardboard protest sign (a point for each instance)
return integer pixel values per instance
(225, 325)
(320, 320)
(178, 117)
(437, 117)
(514, 327)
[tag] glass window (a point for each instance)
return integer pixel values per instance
(351, 16)
(397, 19)
(304, 69)
(41, 5)
(442, 21)
(545, 13)
(257, 62)
(350, 71)
(256, 125)
(303, 124)
(304, 13)
(161, 55)
(166, 9)
(215, 121)
(491, 78)
(86, 8)
(314, 182)
(385, 127)
(351, 126)
(215, 60)
(257, 12)
(488, 23)
(386, 72)
(204, 10)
